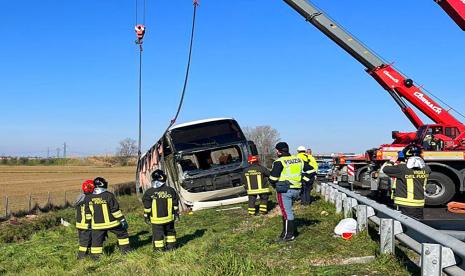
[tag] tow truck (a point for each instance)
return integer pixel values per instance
(444, 140)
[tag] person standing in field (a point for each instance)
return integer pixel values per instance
(160, 211)
(255, 180)
(286, 177)
(105, 215)
(82, 224)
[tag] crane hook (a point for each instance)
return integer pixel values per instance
(140, 32)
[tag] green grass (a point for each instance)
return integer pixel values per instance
(211, 243)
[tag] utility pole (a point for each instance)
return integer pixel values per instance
(64, 150)
(58, 152)
(48, 152)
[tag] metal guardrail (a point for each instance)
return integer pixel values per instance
(439, 252)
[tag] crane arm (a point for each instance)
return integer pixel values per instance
(397, 85)
(455, 9)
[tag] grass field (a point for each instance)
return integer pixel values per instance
(211, 242)
(17, 182)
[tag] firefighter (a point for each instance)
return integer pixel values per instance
(286, 177)
(256, 183)
(161, 210)
(83, 225)
(411, 178)
(303, 154)
(105, 215)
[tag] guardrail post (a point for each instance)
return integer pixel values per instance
(362, 219)
(323, 189)
(387, 238)
(431, 259)
(332, 196)
(338, 202)
(327, 192)
(348, 207)
(317, 188)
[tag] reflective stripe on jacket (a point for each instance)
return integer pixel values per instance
(255, 180)
(160, 204)
(103, 211)
(409, 185)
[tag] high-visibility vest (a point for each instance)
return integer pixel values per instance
(308, 158)
(292, 170)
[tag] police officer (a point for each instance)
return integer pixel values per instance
(256, 184)
(160, 210)
(105, 215)
(83, 225)
(286, 176)
(303, 154)
(411, 178)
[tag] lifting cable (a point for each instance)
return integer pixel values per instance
(140, 32)
(186, 77)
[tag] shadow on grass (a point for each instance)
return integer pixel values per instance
(189, 237)
(136, 242)
(300, 222)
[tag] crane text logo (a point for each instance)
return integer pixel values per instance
(421, 96)
(390, 76)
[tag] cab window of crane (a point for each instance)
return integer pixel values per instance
(451, 132)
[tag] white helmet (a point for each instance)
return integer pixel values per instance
(301, 148)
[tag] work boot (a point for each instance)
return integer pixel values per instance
(81, 255)
(283, 232)
(290, 233)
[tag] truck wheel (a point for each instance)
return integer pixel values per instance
(365, 179)
(440, 189)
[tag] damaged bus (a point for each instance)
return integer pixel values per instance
(203, 160)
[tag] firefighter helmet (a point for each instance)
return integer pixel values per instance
(100, 182)
(88, 186)
(411, 151)
(158, 175)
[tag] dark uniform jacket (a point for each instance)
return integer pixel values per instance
(103, 211)
(80, 206)
(255, 180)
(410, 184)
(161, 204)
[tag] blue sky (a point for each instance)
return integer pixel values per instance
(69, 70)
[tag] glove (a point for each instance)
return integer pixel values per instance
(147, 219)
(124, 224)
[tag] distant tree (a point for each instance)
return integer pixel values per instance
(127, 149)
(265, 138)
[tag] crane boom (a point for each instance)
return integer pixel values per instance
(397, 85)
(455, 9)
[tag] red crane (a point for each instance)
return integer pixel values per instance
(444, 140)
(455, 9)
